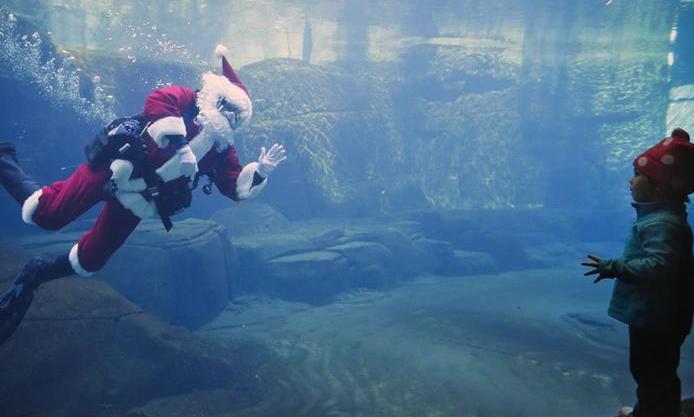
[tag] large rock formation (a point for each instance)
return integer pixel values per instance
(182, 277)
(314, 260)
(82, 346)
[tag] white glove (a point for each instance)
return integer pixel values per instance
(128, 190)
(137, 204)
(122, 170)
(189, 163)
(268, 160)
(182, 164)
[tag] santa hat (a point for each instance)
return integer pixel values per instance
(228, 87)
(670, 162)
(227, 70)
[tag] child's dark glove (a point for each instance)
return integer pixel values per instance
(600, 267)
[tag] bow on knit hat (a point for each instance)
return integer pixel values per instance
(670, 162)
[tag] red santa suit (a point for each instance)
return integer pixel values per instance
(209, 150)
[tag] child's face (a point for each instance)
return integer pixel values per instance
(643, 190)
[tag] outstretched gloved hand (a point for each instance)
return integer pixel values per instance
(268, 160)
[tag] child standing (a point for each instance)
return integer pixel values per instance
(654, 287)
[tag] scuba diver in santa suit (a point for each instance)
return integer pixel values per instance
(139, 166)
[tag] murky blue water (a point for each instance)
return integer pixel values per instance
(449, 165)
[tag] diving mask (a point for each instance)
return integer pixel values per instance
(230, 112)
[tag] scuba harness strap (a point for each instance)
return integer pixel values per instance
(122, 139)
(165, 197)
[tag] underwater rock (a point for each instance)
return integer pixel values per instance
(507, 249)
(183, 277)
(311, 277)
(324, 237)
(254, 252)
(81, 336)
(363, 254)
(338, 126)
(434, 255)
(321, 231)
(259, 234)
(265, 247)
(317, 259)
(508, 236)
(371, 264)
(250, 219)
(395, 236)
(461, 230)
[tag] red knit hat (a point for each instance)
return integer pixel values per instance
(670, 162)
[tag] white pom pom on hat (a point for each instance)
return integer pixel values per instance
(220, 51)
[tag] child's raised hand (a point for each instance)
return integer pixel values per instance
(598, 268)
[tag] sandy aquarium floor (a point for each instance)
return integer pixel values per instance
(524, 343)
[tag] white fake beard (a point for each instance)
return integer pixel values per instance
(216, 127)
(212, 122)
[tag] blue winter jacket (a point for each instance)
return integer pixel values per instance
(654, 288)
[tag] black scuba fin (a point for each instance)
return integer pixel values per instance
(15, 302)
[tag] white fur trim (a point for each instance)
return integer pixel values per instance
(214, 128)
(128, 190)
(220, 51)
(167, 126)
(182, 163)
(137, 204)
(244, 182)
(202, 143)
(30, 205)
(122, 170)
(75, 263)
(235, 94)
(215, 87)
